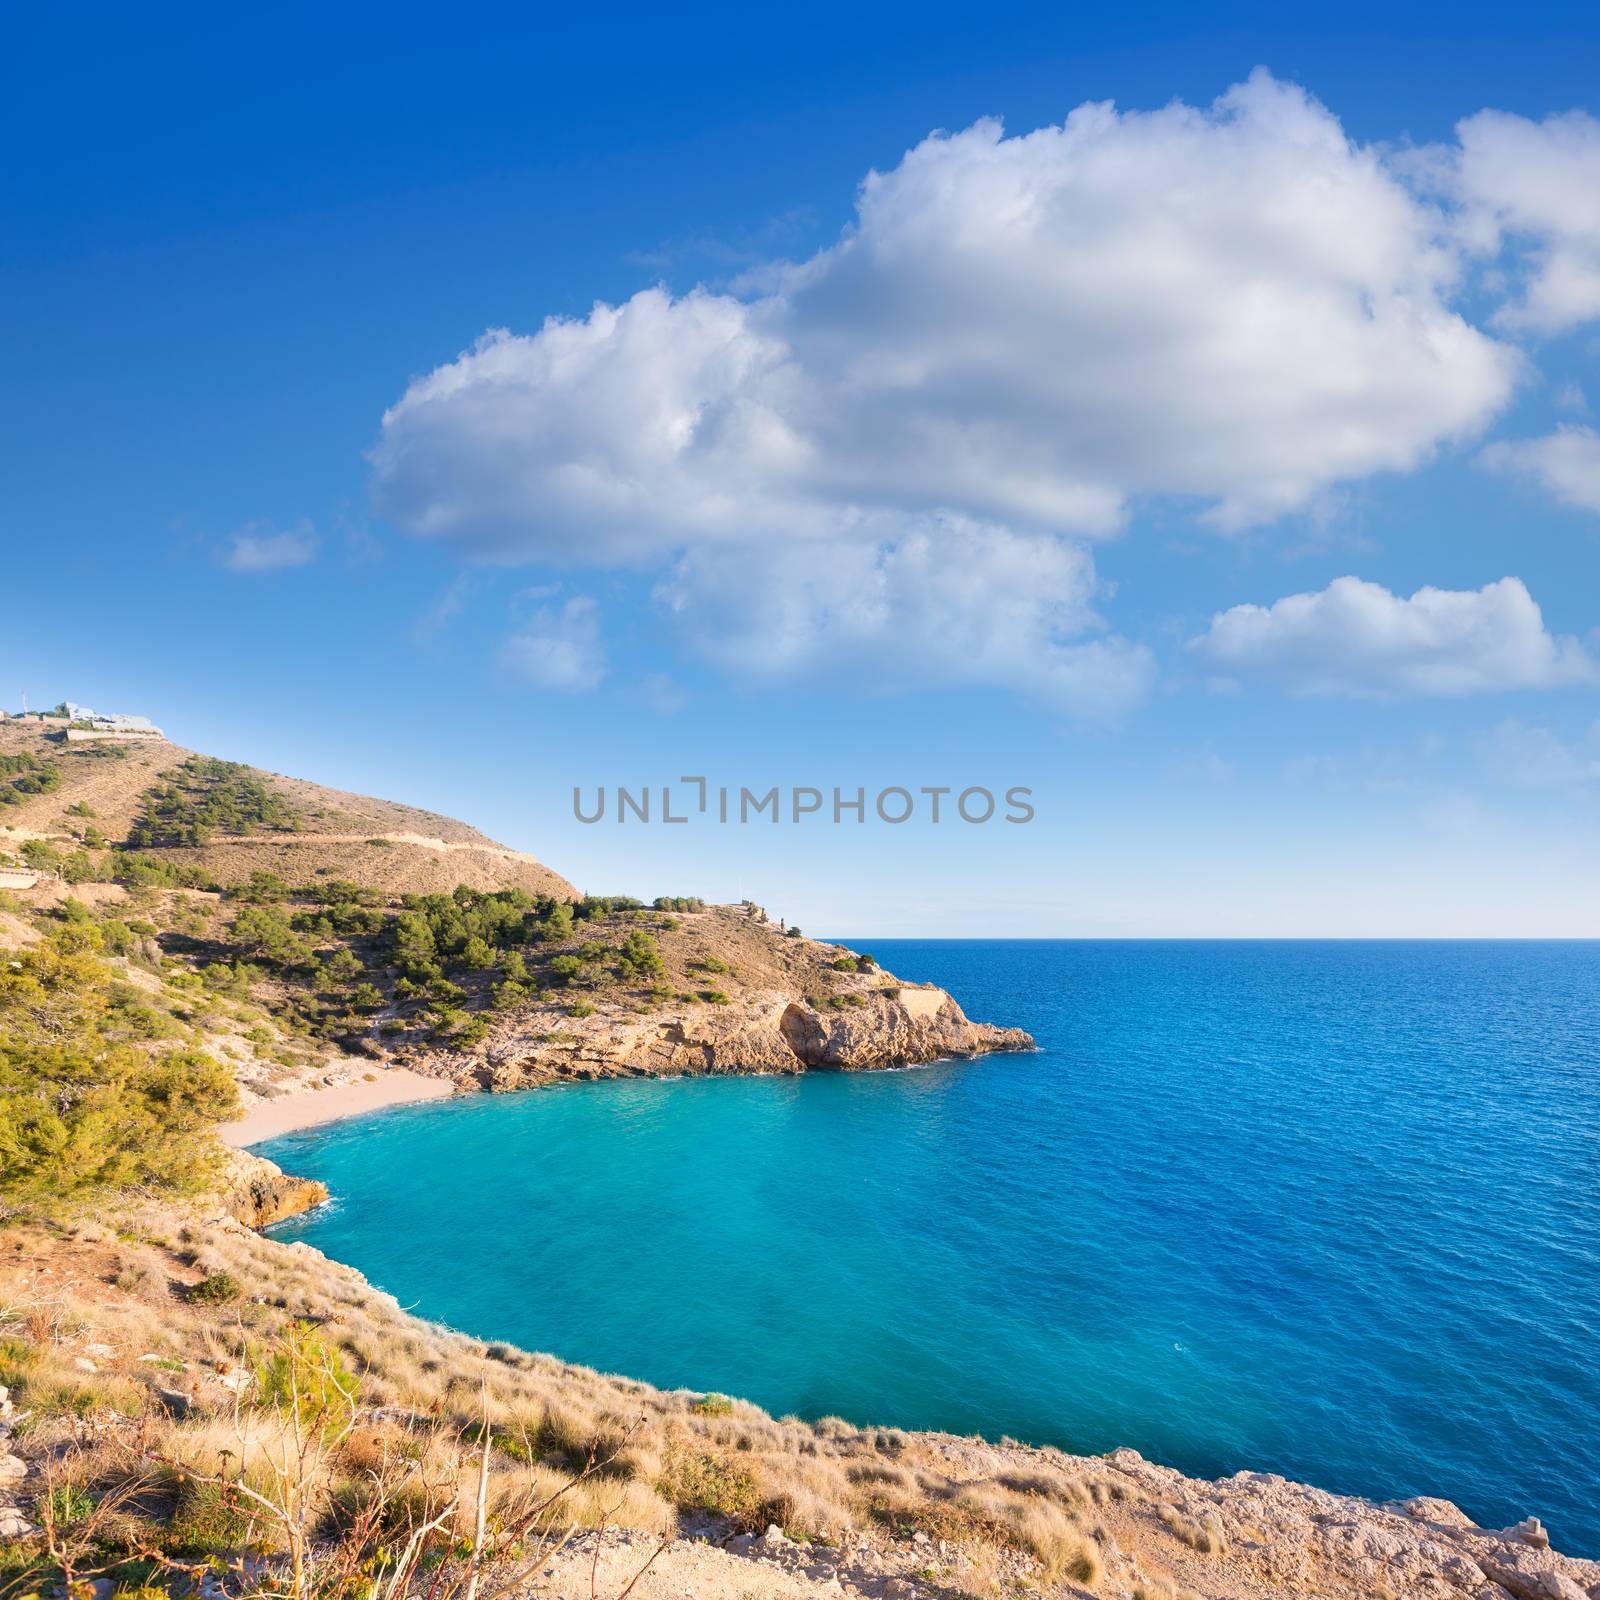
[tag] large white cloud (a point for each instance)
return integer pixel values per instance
(1566, 463)
(1232, 304)
(1538, 185)
(1357, 638)
(1232, 307)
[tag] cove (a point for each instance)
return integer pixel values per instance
(1328, 1209)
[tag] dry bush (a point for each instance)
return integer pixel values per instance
(1203, 1533)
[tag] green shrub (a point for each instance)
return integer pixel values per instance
(211, 1519)
(216, 1290)
(307, 1377)
(80, 1106)
(640, 956)
(711, 1481)
(204, 797)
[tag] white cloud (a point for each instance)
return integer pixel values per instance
(1232, 305)
(1566, 463)
(1538, 758)
(1538, 185)
(258, 548)
(949, 602)
(558, 648)
(1356, 638)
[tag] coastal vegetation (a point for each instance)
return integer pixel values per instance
(91, 1094)
(203, 797)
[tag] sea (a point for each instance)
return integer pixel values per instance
(1324, 1209)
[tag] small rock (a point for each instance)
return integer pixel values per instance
(774, 1534)
(176, 1401)
(1428, 1508)
(13, 1469)
(895, 1588)
(1558, 1586)
(84, 1364)
(13, 1525)
(1530, 1531)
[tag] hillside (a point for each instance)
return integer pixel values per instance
(225, 821)
(316, 941)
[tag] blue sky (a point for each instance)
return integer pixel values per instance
(948, 489)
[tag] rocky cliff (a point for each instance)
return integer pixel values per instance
(761, 1030)
(258, 1192)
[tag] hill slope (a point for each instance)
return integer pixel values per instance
(226, 821)
(307, 937)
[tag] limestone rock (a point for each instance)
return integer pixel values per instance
(758, 1031)
(258, 1193)
(1558, 1586)
(13, 1525)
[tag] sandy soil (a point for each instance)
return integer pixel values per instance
(305, 1109)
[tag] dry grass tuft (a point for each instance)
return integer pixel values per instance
(1203, 1533)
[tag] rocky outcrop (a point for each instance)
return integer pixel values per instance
(1263, 1534)
(258, 1193)
(759, 1031)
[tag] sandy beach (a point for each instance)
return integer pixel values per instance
(305, 1109)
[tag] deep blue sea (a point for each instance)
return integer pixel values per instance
(1324, 1209)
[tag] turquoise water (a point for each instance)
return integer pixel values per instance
(1325, 1209)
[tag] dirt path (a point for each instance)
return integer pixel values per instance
(423, 841)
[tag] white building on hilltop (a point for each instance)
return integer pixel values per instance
(92, 724)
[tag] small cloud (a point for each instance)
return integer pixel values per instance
(1357, 639)
(559, 648)
(445, 608)
(257, 548)
(662, 695)
(1537, 758)
(1204, 766)
(362, 547)
(1565, 463)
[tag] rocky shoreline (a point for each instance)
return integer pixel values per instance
(758, 1031)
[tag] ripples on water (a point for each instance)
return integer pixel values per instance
(1324, 1209)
